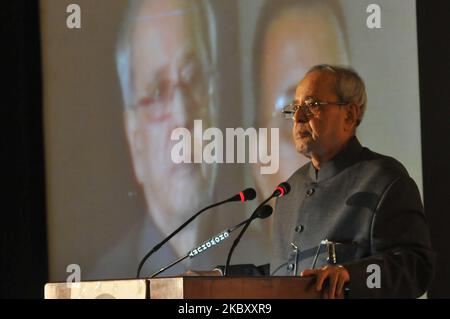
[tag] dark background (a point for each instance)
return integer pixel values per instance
(23, 254)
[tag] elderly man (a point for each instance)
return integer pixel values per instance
(354, 217)
(166, 58)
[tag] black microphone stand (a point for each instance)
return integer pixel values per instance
(238, 238)
(281, 190)
(241, 196)
(262, 213)
(194, 252)
(158, 246)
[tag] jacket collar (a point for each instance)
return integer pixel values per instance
(348, 156)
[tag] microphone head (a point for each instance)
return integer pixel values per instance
(282, 189)
(264, 212)
(247, 194)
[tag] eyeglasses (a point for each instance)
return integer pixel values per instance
(307, 110)
(157, 103)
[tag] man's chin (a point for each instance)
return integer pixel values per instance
(176, 207)
(183, 171)
(188, 195)
(304, 149)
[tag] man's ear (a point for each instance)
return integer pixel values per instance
(135, 142)
(352, 116)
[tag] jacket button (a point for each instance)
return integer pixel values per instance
(310, 191)
(299, 228)
(290, 267)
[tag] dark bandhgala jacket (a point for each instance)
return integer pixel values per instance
(363, 211)
(370, 208)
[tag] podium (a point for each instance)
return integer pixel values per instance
(187, 288)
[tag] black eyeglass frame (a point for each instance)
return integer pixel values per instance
(306, 107)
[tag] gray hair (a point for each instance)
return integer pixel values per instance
(204, 24)
(349, 86)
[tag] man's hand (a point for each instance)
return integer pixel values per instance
(207, 273)
(337, 277)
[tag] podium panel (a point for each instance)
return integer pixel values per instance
(107, 289)
(187, 288)
(233, 288)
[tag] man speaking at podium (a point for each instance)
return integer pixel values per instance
(354, 218)
(363, 207)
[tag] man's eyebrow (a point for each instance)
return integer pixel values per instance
(172, 13)
(155, 77)
(297, 101)
(190, 57)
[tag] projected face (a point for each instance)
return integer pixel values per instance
(295, 40)
(170, 76)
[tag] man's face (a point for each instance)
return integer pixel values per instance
(170, 86)
(291, 46)
(326, 128)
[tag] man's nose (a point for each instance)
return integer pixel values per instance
(300, 117)
(180, 108)
(296, 116)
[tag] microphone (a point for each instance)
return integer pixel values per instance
(264, 212)
(245, 195)
(280, 191)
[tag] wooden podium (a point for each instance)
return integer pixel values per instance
(187, 288)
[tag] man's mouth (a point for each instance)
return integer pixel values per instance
(304, 134)
(183, 169)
